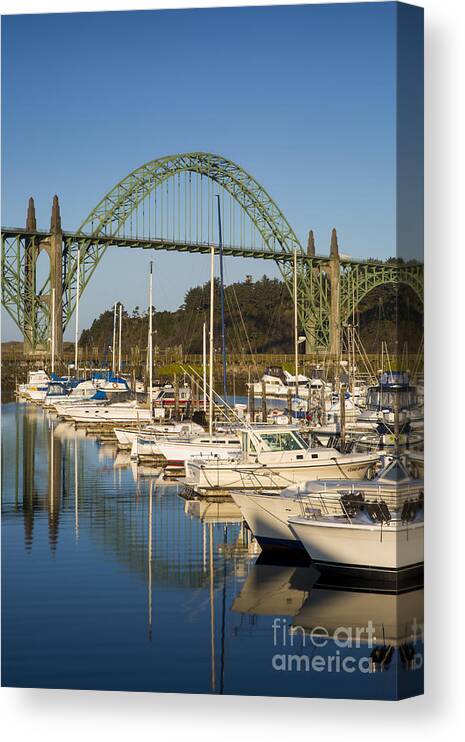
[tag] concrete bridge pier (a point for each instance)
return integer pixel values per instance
(31, 253)
(335, 306)
(310, 319)
(53, 245)
(56, 273)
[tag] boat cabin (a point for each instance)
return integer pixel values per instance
(166, 396)
(393, 389)
(37, 377)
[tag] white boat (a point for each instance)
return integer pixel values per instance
(56, 391)
(165, 397)
(127, 436)
(274, 457)
(110, 384)
(393, 390)
(38, 393)
(118, 412)
(393, 397)
(361, 542)
(217, 446)
(278, 387)
(267, 513)
(145, 443)
(275, 386)
(83, 392)
(36, 386)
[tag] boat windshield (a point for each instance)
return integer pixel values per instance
(382, 398)
(285, 441)
(57, 390)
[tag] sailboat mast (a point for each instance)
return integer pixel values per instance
(76, 329)
(119, 336)
(212, 299)
(204, 359)
(53, 332)
(296, 337)
(223, 328)
(150, 343)
(113, 348)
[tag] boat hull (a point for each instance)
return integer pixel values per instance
(109, 414)
(237, 475)
(361, 547)
(267, 517)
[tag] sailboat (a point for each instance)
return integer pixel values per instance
(217, 445)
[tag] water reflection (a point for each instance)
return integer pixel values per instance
(323, 626)
(156, 591)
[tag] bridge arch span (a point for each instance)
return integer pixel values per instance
(361, 280)
(114, 210)
(116, 206)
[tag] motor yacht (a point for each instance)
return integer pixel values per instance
(79, 393)
(267, 513)
(36, 386)
(281, 382)
(274, 457)
(368, 539)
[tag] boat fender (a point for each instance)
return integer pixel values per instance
(381, 657)
(352, 503)
(378, 512)
(407, 656)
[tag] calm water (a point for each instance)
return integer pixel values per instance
(111, 580)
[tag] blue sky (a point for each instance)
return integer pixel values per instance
(303, 97)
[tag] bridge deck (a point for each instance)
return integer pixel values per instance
(179, 246)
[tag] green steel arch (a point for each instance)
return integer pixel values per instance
(114, 209)
(359, 280)
(321, 316)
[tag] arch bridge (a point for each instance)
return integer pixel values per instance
(169, 204)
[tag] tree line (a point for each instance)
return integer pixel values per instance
(258, 319)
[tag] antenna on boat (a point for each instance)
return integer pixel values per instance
(223, 328)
